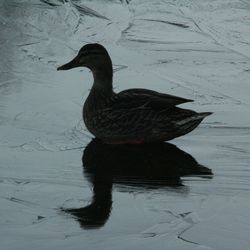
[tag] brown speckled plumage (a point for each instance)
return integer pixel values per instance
(133, 115)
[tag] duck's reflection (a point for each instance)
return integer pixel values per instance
(144, 166)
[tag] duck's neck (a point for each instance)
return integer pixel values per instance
(103, 78)
(100, 93)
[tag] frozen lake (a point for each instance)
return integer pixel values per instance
(60, 189)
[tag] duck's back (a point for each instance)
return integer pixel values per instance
(138, 115)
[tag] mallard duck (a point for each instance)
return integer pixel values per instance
(131, 116)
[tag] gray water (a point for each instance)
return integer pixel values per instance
(59, 189)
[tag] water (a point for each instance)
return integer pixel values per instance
(62, 190)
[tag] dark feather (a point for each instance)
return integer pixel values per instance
(144, 98)
(140, 113)
(154, 97)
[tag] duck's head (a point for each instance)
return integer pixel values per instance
(93, 56)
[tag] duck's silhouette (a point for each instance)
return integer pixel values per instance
(132, 116)
(146, 166)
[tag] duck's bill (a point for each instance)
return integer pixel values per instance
(70, 65)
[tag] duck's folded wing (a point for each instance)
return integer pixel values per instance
(135, 98)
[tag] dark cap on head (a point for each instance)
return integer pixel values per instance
(91, 56)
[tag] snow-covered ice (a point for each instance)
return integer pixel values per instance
(197, 49)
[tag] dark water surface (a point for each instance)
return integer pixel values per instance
(60, 189)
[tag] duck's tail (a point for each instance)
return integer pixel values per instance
(195, 117)
(188, 124)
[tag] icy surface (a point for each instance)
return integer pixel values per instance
(196, 49)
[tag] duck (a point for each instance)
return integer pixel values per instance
(132, 116)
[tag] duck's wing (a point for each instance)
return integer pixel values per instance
(133, 98)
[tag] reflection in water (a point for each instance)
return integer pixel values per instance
(143, 166)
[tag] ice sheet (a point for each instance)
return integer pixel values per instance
(195, 49)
